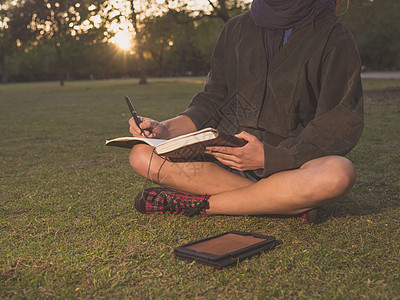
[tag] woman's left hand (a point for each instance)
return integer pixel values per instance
(248, 157)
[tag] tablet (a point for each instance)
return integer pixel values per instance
(225, 249)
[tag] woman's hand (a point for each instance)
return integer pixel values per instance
(162, 130)
(151, 128)
(248, 157)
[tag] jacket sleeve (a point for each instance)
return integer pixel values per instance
(338, 121)
(203, 109)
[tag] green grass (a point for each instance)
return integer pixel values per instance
(68, 228)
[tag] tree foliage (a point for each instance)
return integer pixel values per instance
(226, 9)
(375, 25)
(57, 22)
(6, 43)
(180, 44)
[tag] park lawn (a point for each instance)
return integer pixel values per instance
(68, 228)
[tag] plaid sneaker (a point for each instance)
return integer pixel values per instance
(162, 200)
(309, 217)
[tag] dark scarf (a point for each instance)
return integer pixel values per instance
(278, 15)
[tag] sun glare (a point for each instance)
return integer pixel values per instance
(123, 39)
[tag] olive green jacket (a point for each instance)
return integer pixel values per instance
(307, 104)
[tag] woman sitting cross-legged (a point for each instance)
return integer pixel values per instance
(285, 77)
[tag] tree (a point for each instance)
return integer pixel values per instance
(185, 44)
(221, 9)
(179, 43)
(195, 30)
(225, 9)
(58, 22)
(136, 12)
(5, 37)
(169, 41)
(158, 32)
(134, 17)
(375, 25)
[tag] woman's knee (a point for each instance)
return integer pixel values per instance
(330, 177)
(140, 158)
(340, 175)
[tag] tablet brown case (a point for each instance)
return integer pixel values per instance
(225, 249)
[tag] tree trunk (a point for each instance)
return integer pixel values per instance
(139, 47)
(60, 64)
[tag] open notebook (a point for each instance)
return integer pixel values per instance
(190, 146)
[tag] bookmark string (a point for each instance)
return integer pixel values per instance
(159, 170)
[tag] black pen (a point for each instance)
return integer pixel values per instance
(133, 112)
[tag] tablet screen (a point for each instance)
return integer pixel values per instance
(225, 244)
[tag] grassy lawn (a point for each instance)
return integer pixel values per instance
(68, 228)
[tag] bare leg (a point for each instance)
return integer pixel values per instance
(191, 177)
(290, 192)
(317, 182)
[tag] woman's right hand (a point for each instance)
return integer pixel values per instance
(151, 128)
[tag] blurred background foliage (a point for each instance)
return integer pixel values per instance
(81, 39)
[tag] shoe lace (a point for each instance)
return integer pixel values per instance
(189, 208)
